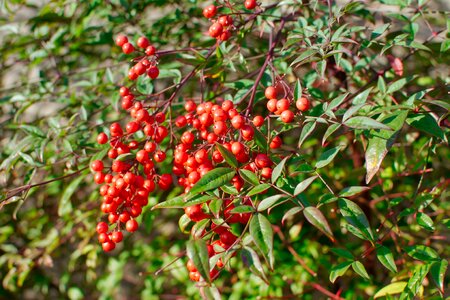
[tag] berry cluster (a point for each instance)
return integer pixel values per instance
(280, 107)
(223, 25)
(146, 64)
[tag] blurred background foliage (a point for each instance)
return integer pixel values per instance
(59, 79)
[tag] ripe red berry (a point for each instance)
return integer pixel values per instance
(209, 11)
(270, 92)
(153, 72)
(190, 266)
(127, 48)
(195, 213)
(102, 227)
(263, 161)
(190, 106)
(117, 236)
(258, 121)
(180, 121)
(102, 138)
(272, 105)
(237, 121)
(143, 42)
(275, 143)
(131, 225)
(97, 165)
(142, 156)
(121, 40)
(283, 104)
(302, 104)
(225, 20)
(165, 181)
(150, 50)
(287, 116)
(215, 30)
(108, 246)
(250, 4)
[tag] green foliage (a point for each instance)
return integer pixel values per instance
(356, 202)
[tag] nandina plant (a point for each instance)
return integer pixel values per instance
(298, 146)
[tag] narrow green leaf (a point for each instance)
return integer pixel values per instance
(362, 97)
(353, 190)
(343, 253)
(317, 219)
(227, 155)
(249, 176)
(423, 253)
(298, 90)
(306, 131)
(351, 111)
(303, 56)
(381, 84)
(330, 130)
(182, 201)
(438, 270)
(359, 268)
(210, 292)
(386, 258)
(327, 157)
(339, 270)
(427, 124)
(391, 289)
(269, 202)
(197, 251)
(381, 142)
(213, 179)
(337, 101)
(415, 282)
(293, 211)
(260, 140)
(65, 206)
(258, 189)
(397, 85)
(354, 215)
(278, 169)
(262, 234)
(252, 261)
(425, 221)
(361, 122)
(302, 186)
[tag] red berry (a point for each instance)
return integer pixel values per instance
(150, 50)
(108, 246)
(282, 105)
(190, 106)
(131, 225)
(102, 138)
(142, 42)
(287, 116)
(153, 72)
(127, 48)
(102, 227)
(258, 121)
(97, 165)
(302, 104)
(117, 236)
(209, 11)
(262, 160)
(195, 213)
(275, 143)
(121, 40)
(270, 92)
(272, 105)
(215, 30)
(250, 4)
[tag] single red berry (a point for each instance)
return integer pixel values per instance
(121, 40)
(275, 143)
(102, 138)
(270, 92)
(117, 236)
(150, 50)
(108, 246)
(127, 48)
(272, 105)
(263, 161)
(283, 104)
(153, 72)
(143, 42)
(258, 121)
(215, 30)
(209, 11)
(302, 104)
(102, 227)
(97, 165)
(250, 4)
(131, 225)
(287, 116)
(190, 106)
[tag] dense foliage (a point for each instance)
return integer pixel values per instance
(282, 149)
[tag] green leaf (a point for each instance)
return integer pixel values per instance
(427, 124)
(339, 270)
(279, 169)
(425, 221)
(391, 289)
(302, 186)
(337, 101)
(354, 215)
(227, 155)
(423, 253)
(327, 157)
(33, 130)
(415, 282)
(397, 85)
(197, 251)
(213, 179)
(343, 253)
(330, 131)
(381, 142)
(377, 32)
(303, 56)
(359, 268)
(249, 176)
(252, 261)
(351, 111)
(291, 212)
(258, 189)
(385, 256)
(65, 206)
(269, 202)
(362, 97)
(242, 209)
(381, 84)
(260, 140)
(437, 271)
(144, 85)
(210, 292)
(298, 90)
(183, 201)
(353, 190)
(317, 219)
(361, 122)
(306, 131)
(262, 234)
